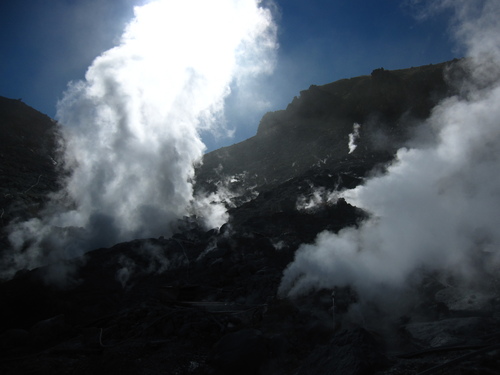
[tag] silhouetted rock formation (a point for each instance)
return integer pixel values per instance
(28, 169)
(314, 129)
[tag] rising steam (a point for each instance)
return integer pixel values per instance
(436, 208)
(131, 128)
(353, 137)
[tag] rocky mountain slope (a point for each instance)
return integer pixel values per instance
(28, 168)
(206, 302)
(313, 131)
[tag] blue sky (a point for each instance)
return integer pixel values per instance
(46, 44)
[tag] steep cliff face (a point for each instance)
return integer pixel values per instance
(313, 131)
(28, 167)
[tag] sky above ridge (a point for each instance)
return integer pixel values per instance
(45, 45)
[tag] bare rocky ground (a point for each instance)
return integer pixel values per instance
(206, 303)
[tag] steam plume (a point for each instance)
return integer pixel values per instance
(131, 128)
(436, 207)
(353, 137)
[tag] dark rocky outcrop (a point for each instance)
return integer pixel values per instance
(314, 129)
(28, 166)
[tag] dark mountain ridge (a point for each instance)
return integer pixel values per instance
(313, 131)
(28, 154)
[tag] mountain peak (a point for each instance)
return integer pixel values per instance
(314, 128)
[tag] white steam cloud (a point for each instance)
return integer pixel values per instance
(131, 128)
(353, 137)
(436, 208)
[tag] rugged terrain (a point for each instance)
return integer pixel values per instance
(28, 149)
(206, 302)
(313, 131)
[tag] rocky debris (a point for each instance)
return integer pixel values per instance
(453, 331)
(199, 302)
(351, 352)
(467, 301)
(205, 302)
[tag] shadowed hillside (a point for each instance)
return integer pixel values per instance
(314, 129)
(28, 167)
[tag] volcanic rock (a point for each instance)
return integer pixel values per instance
(205, 302)
(314, 129)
